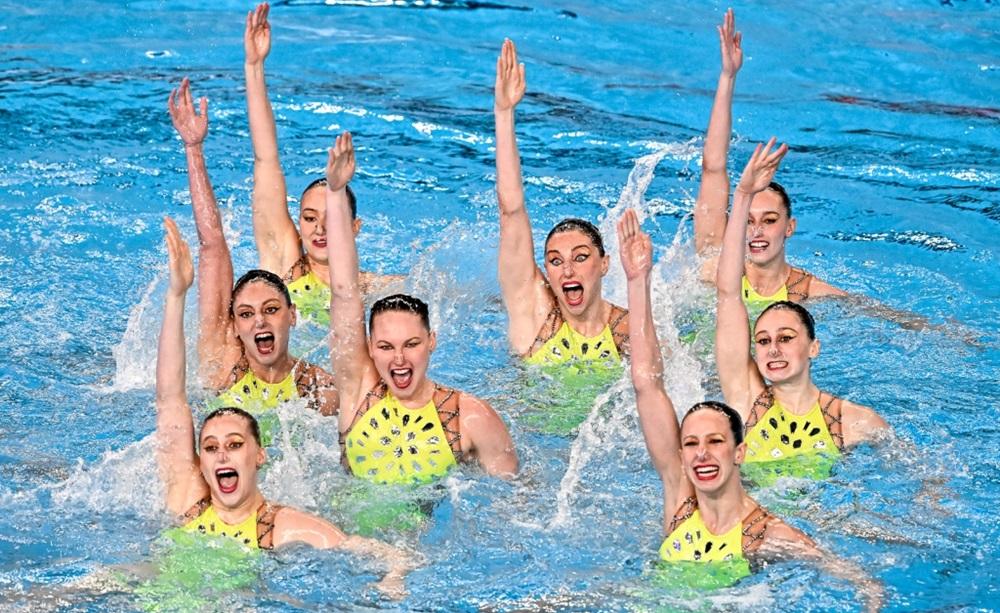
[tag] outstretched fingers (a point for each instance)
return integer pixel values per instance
(340, 163)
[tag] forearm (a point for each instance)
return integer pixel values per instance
(647, 362)
(510, 186)
(343, 251)
(731, 261)
(207, 219)
(263, 133)
(716, 152)
(170, 358)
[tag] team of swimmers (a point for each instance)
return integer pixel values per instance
(398, 426)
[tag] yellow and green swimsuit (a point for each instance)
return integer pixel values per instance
(558, 343)
(254, 532)
(311, 297)
(690, 541)
(389, 443)
(795, 288)
(780, 443)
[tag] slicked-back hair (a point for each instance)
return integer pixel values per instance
(263, 276)
(223, 411)
(803, 314)
(735, 421)
(321, 182)
(401, 302)
(582, 225)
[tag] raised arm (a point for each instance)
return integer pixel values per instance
(713, 192)
(273, 229)
(353, 369)
(521, 282)
(485, 435)
(218, 347)
(738, 375)
(656, 412)
(175, 451)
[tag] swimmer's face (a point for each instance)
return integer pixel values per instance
(709, 454)
(575, 268)
(229, 459)
(782, 347)
(400, 346)
(312, 224)
(262, 320)
(768, 228)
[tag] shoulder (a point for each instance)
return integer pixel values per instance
(860, 422)
(782, 537)
(294, 526)
(819, 288)
(470, 406)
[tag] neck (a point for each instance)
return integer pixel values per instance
(593, 319)
(797, 395)
(320, 269)
(725, 507)
(242, 510)
(423, 394)
(275, 372)
(766, 279)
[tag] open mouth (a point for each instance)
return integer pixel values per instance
(319, 243)
(264, 342)
(573, 291)
(706, 473)
(227, 479)
(777, 365)
(401, 377)
(758, 246)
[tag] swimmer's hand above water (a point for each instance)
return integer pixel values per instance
(191, 126)
(340, 164)
(730, 45)
(510, 84)
(257, 35)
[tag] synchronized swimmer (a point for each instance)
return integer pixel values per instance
(397, 426)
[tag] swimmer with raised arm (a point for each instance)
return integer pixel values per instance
(771, 387)
(559, 315)
(297, 255)
(244, 329)
(767, 276)
(396, 424)
(708, 516)
(215, 491)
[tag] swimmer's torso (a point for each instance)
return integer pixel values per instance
(772, 433)
(255, 532)
(254, 395)
(389, 443)
(310, 294)
(795, 288)
(558, 343)
(689, 540)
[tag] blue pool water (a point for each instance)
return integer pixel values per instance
(892, 113)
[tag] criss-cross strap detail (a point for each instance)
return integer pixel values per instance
(266, 513)
(553, 321)
(618, 323)
(309, 384)
(299, 269)
(684, 512)
(832, 413)
(797, 284)
(761, 405)
(195, 511)
(447, 401)
(754, 529)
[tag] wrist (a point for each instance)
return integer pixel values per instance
(194, 146)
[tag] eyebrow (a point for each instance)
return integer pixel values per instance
(572, 249)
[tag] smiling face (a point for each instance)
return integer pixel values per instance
(768, 227)
(262, 319)
(709, 453)
(401, 346)
(575, 267)
(229, 459)
(782, 347)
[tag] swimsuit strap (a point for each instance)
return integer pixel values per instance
(764, 402)
(754, 529)
(195, 511)
(299, 269)
(375, 394)
(619, 332)
(832, 412)
(686, 510)
(553, 321)
(797, 284)
(240, 369)
(266, 513)
(308, 384)
(447, 402)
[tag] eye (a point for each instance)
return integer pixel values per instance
(271, 310)
(785, 338)
(245, 314)
(235, 444)
(690, 443)
(412, 344)
(717, 440)
(212, 448)
(556, 261)
(763, 341)
(309, 218)
(384, 346)
(581, 257)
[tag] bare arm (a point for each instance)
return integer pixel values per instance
(218, 347)
(274, 230)
(783, 541)
(352, 367)
(738, 374)
(521, 283)
(713, 192)
(176, 456)
(487, 437)
(656, 411)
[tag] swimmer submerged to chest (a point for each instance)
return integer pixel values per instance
(558, 317)
(396, 425)
(214, 491)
